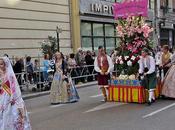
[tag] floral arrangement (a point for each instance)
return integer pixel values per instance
(134, 36)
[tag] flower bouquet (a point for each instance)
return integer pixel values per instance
(134, 36)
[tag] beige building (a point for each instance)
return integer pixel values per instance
(26, 23)
(166, 22)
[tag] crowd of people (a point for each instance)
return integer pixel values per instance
(152, 69)
(40, 70)
(156, 67)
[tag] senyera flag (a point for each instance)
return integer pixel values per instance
(131, 8)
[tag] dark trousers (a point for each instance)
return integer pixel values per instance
(165, 70)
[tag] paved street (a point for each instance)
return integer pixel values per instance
(92, 114)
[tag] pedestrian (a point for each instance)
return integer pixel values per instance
(62, 89)
(18, 71)
(148, 75)
(46, 67)
(72, 67)
(36, 69)
(80, 60)
(13, 114)
(71, 61)
(89, 62)
(158, 59)
(30, 69)
(168, 85)
(103, 65)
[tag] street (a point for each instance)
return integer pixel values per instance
(92, 114)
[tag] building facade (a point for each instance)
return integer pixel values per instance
(94, 24)
(25, 24)
(166, 22)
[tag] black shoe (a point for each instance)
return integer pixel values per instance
(105, 99)
(162, 97)
(149, 103)
(153, 100)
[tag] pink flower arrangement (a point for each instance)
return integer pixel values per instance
(134, 34)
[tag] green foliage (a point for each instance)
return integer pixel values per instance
(49, 46)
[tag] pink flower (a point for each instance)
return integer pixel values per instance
(121, 62)
(139, 30)
(119, 28)
(145, 35)
(129, 47)
(146, 30)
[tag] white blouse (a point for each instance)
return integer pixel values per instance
(143, 64)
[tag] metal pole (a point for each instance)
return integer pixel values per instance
(58, 39)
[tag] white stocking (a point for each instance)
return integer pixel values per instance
(151, 95)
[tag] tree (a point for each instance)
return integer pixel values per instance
(49, 46)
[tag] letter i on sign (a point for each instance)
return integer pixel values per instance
(92, 7)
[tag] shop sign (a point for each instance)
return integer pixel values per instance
(96, 7)
(101, 8)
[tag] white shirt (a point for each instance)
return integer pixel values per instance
(111, 65)
(152, 65)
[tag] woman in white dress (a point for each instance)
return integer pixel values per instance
(13, 113)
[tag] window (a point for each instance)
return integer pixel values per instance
(96, 34)
(173, 5)
(151, 4)
(86, 29)
(98, 29)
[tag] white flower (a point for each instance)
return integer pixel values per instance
(120, 58)
(129, 63)
(121, 62)
(126, 57)
(133, 58)
(117, 58)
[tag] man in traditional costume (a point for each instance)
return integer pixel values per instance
(103, 65)
(147, 73)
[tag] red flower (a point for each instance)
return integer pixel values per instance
(1, 91)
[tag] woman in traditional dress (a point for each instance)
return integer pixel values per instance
(13, 114)
(165, 59)
(168, 85)
(62, 88)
